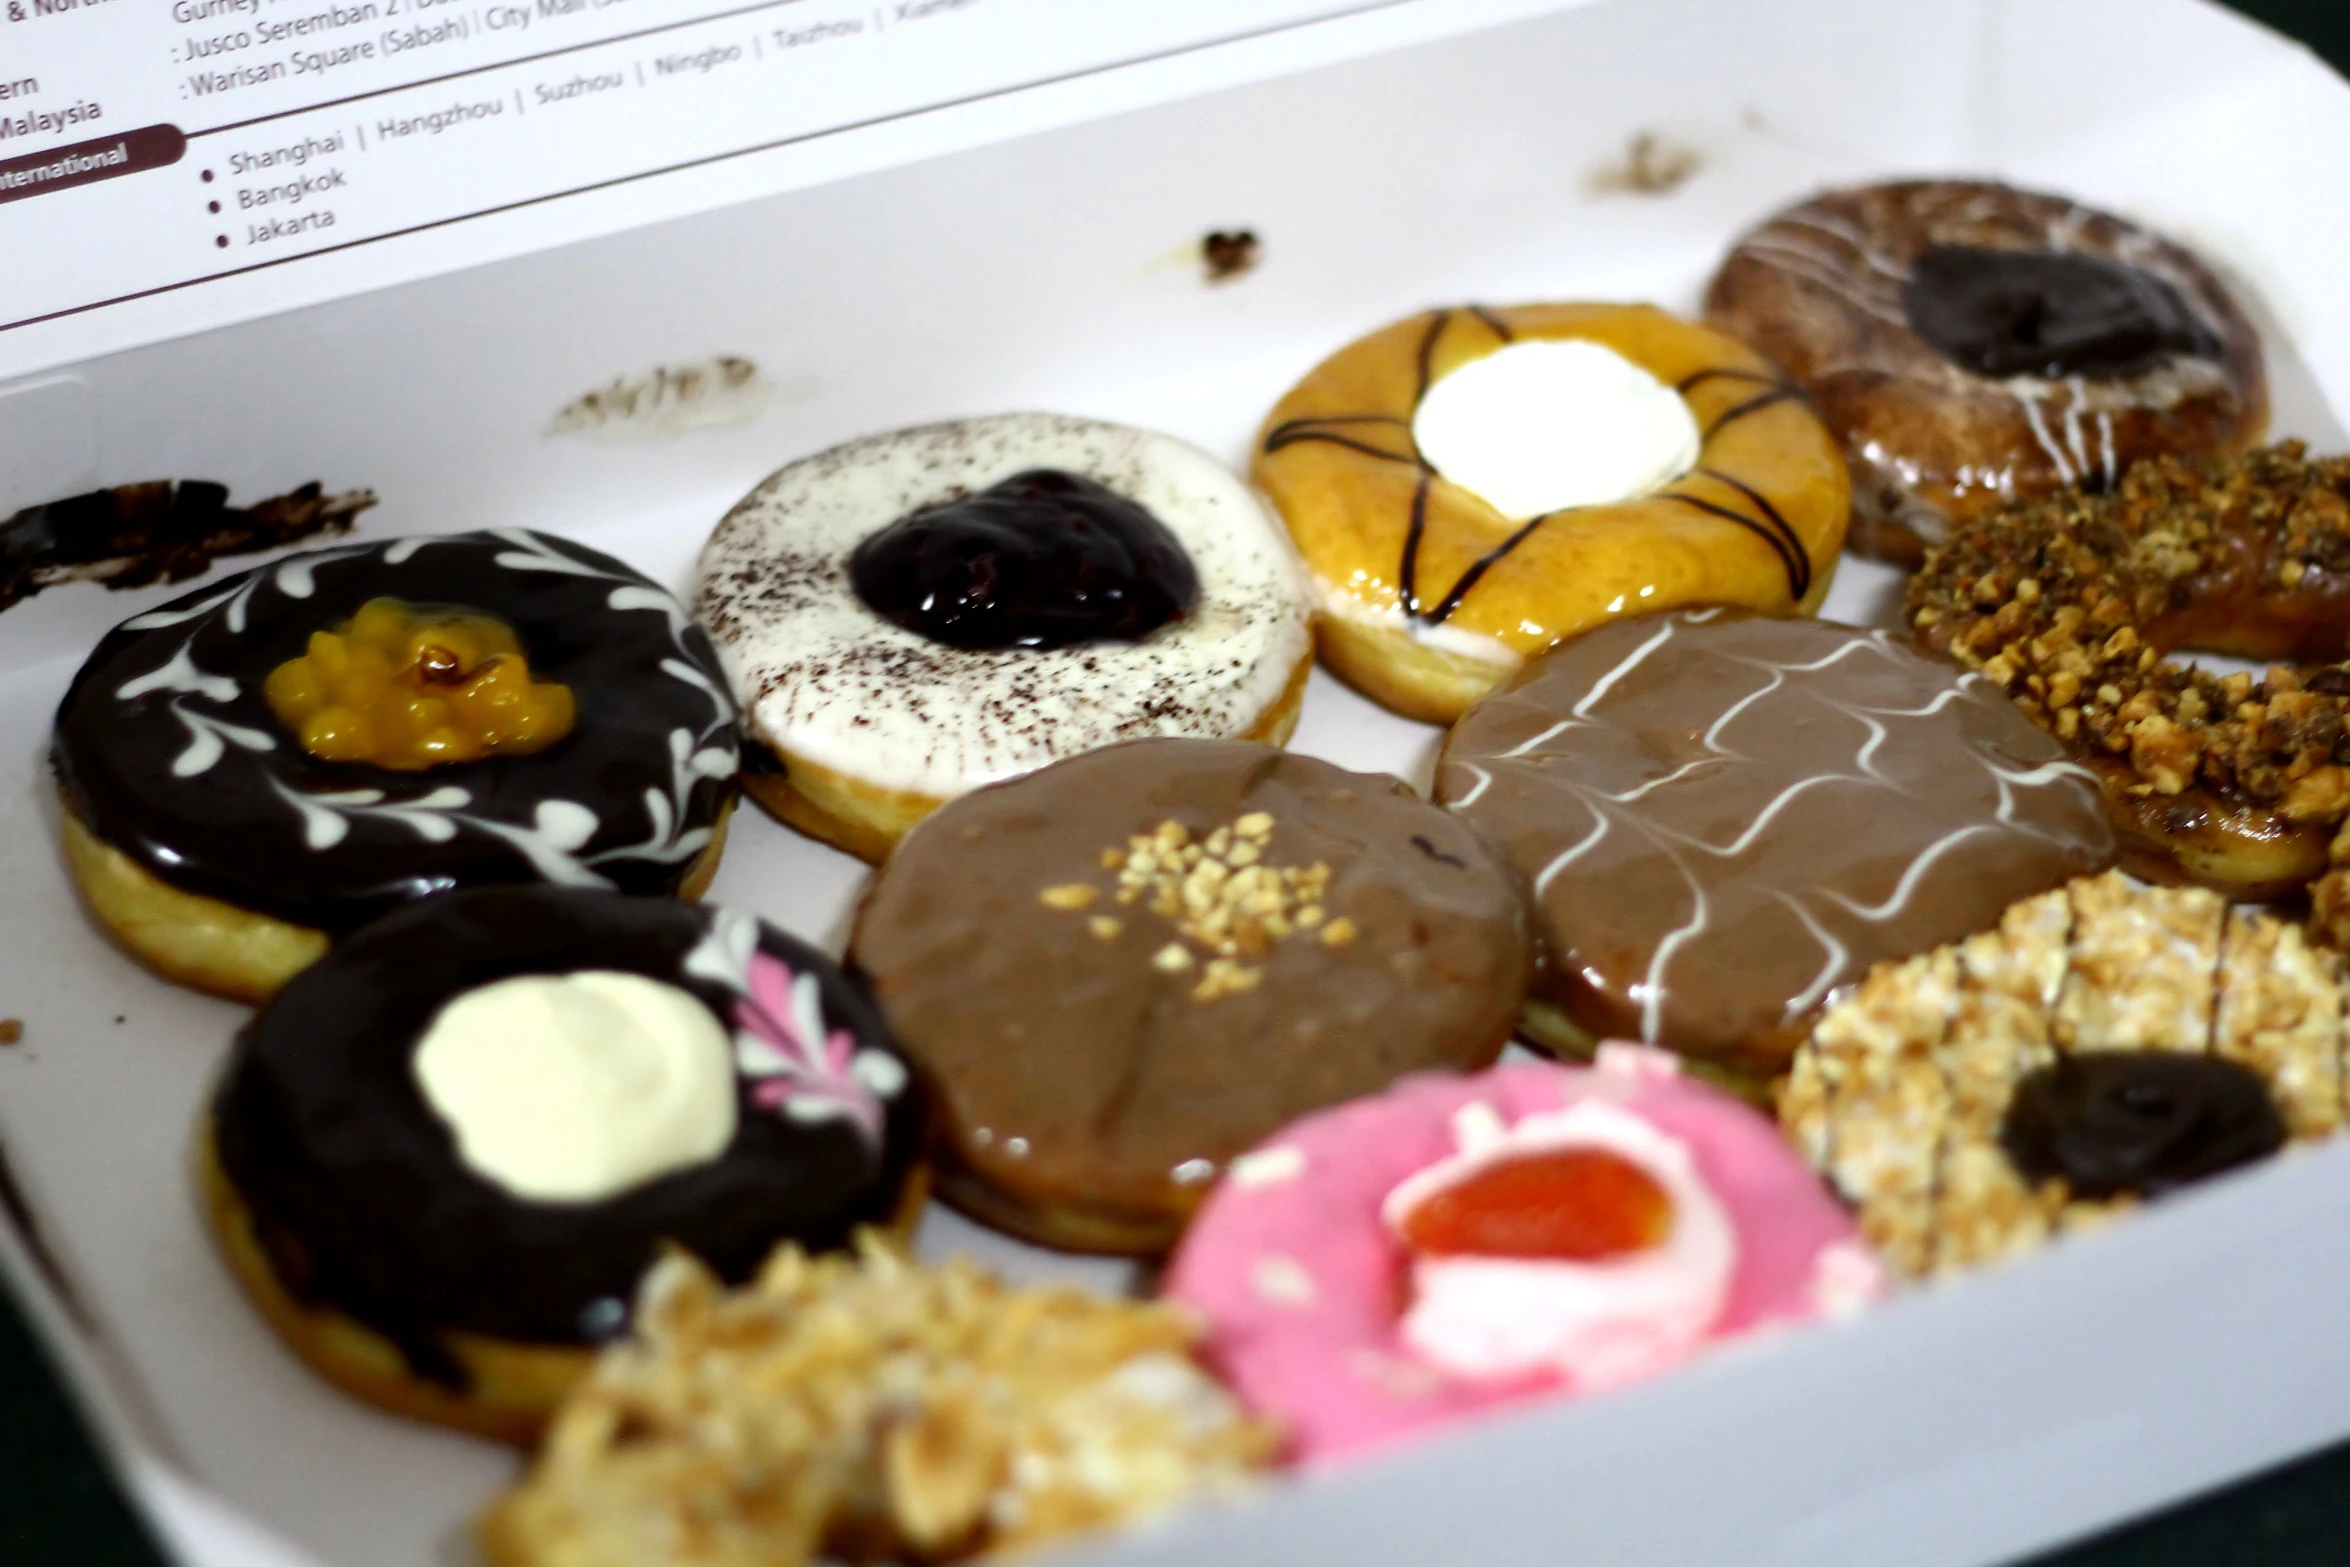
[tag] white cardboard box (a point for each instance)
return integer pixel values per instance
(1962, 1424)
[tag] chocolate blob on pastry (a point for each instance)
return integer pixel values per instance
(443, 1156)
(1119, 972)
(915, 614)
(1727, 819)
(261, 766)
(2099, 1045)
(1469, 486)
(1973, 344)
(2073, 603)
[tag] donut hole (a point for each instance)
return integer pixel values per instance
(1552, 424)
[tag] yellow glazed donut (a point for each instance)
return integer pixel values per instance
(1432, 592)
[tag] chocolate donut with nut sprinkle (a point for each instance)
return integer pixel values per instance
(2074, 604)
(1122, 971)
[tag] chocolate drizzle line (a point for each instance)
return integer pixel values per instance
(1772, 528)
(362, 1203)
(135, 535)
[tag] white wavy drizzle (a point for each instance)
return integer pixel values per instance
(1682, 849)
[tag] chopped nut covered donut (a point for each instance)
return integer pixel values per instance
(858, 1409)
(2073, 603)
(2222, 1025)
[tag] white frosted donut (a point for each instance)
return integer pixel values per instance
(876, 724)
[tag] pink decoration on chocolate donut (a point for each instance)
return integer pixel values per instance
(1307, 1288)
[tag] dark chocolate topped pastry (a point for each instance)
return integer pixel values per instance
(1727, 819)
(174, 750)
(1973, 344)
(476, 1123)
(1121, 971)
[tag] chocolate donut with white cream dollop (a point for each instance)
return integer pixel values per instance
(442, 1157)
(912, 615)
(1727, 819)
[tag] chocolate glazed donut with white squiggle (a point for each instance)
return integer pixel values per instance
(232, 807)
(1726, 820)
(441, 1158)
(1973, 344)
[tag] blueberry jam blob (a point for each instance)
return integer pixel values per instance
(2049, 313)
(2138, 1121)
(1043, 559)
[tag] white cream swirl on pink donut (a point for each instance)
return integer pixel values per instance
(1322, 1319)
(1593, 1324)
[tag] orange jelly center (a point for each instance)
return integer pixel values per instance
(1568, 1205)
(409, 686)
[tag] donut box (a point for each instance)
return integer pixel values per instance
(1431, 153)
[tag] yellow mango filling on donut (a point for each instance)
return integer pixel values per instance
(409, 686)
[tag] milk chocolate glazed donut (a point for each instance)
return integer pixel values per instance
(1972, 344)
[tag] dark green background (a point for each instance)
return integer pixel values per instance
(59, 1507)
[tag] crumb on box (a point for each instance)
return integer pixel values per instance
(11, 1030)
(1229, 253)
(1650, 166)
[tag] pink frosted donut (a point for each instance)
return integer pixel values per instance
(1323, 1318)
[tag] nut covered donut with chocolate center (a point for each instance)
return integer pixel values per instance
(1973, 344)
(216, 843)
(442, 1157)
(1727, 819)
(1119, 972)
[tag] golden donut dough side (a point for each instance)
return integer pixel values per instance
(188, 939)
(866, 820)
(515, 1386)
(1757, 523)
(218, 947)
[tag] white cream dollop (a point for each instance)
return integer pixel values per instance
(1595, 1324)
(576, 1087)
(1540, 426)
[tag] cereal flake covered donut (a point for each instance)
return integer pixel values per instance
(1470, 486)
(2072, 604)
(2103, 1044)
(1456, 1244)
(1972, 344)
